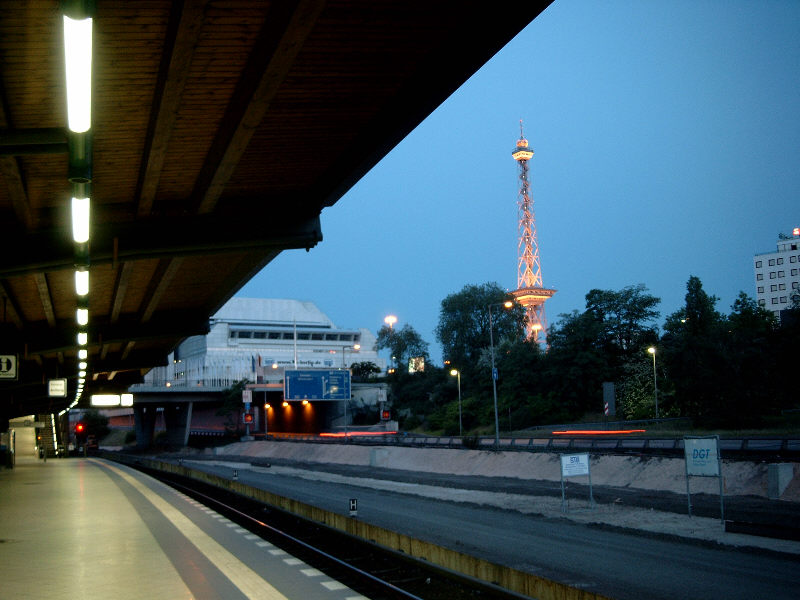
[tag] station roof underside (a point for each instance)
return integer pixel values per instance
(220, 130)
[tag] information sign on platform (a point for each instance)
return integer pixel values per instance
(57, 388)
(316, 384)
(8, 366)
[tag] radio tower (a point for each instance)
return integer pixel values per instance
(530, 292)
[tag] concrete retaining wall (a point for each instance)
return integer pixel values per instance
(656, 473)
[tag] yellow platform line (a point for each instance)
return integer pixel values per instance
(243, 577)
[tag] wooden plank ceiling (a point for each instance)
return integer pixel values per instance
(220, 130)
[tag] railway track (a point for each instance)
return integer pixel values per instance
(373, 571)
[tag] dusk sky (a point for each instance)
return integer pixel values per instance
(667, 144)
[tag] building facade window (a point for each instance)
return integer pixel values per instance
(781, 273)
(762, 302)
(759, 276)
(761, 289)
(758, 264)
(780, 261)
(772, 274)
(771, 262)
(775, 300)
(783, 299)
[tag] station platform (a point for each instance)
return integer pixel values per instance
(85, 527)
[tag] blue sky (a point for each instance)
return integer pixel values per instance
(667, 144)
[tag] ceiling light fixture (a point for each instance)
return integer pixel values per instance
(80, 220)
(81, 282)
(78, 54)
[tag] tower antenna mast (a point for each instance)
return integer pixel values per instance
(530, 292)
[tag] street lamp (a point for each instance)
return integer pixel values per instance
(457, 373)
(506, 304)
(652, 350)
(355, 347)
(390, 320)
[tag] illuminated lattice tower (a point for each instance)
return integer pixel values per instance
(530, 292)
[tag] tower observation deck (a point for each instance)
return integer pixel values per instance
(530, 292)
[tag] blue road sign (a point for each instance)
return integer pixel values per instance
(316, 384)
(495, 375)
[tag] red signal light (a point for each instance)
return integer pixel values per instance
(79, 428)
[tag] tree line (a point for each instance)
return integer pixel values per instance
(722, 370)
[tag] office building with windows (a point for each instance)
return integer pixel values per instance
(777, 274)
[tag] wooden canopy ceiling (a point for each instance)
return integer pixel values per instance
(220, 130)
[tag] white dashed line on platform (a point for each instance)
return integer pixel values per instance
(333, 585)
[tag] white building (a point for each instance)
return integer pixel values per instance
(248, 333)
(777, 273)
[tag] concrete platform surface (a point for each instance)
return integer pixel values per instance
(88, 528)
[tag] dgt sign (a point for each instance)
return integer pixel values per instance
(702, 456)
(702, 459)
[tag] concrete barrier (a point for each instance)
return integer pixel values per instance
(778, 478)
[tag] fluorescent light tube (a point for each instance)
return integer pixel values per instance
(80, 220)
(81, 282)
(78, 54)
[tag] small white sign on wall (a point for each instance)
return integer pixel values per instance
(574, 464)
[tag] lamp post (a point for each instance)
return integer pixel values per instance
(652, 350)
(355, 347)
(457, 373)
(506, 304)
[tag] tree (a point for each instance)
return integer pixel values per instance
(463, 328)
(364, 370)
(577, 363)
(626, 317)
(594, 346)
(403, 343)
(693, 352)
(232, 405)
